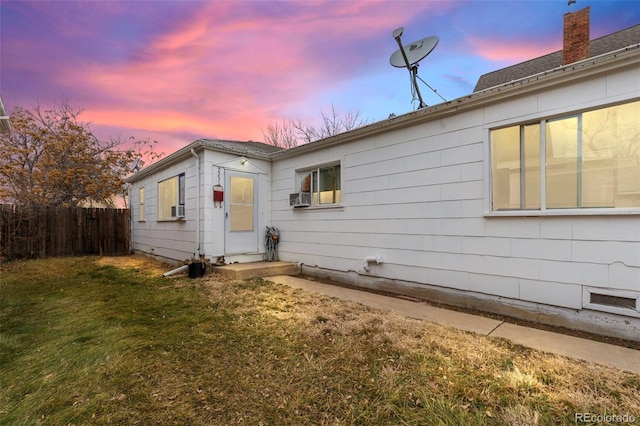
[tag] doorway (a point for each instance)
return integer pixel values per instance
(241, 213)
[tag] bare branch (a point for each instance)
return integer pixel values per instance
(289, 132)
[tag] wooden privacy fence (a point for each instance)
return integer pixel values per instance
(39, 231)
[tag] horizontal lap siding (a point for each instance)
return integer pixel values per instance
(170, 239)
(416, 197)
(399, 200)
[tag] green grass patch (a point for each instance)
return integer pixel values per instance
(105, 340)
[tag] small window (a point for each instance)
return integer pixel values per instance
(171, 197)
(322, 185)
(141, 204)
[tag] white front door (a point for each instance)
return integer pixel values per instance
(241, 213)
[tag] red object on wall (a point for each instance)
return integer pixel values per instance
(218, 195)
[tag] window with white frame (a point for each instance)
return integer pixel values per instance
(322, 184)
(584, 160)
(171, 198)
(141, 204)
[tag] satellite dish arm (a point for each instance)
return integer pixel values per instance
(414, 77)
(413, 69)
(404, 55)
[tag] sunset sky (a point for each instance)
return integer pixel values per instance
(177, 71)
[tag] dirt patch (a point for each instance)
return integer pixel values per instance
(135, 261)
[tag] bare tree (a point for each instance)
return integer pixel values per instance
(282, 134)
(293, 132)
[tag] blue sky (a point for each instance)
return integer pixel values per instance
(176, 71)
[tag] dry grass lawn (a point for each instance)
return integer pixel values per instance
(104, 340)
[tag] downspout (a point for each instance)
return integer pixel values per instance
(197, 204)
(129, 201)
(197, 253)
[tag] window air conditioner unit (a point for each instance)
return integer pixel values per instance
(177, 212)
(300, 199)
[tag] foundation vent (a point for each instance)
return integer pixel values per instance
(620, 302)
(617, 301)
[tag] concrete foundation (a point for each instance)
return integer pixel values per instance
(600, 323)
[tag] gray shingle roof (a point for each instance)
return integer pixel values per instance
(249, 147)
(599, 46)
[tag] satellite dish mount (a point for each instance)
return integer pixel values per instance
(408, 57)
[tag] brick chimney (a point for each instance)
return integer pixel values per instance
(576, 36)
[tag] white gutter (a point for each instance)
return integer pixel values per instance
(197, 204)
(184, 152)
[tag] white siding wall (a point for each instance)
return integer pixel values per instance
(418, 198)
(176, 240)
(171, 240)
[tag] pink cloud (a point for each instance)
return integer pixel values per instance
(224, 75)
(510, 51)
(228, 68)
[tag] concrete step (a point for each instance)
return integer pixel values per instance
(245, 271)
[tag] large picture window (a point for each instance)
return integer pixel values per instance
(590, 160)
(323, 185)
(171, 198)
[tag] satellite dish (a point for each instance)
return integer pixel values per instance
(408, 57)
(135, 166)
(415, 52)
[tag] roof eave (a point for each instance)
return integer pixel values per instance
(166, 161)
(627, 56)
(198, 145)
(621, 58)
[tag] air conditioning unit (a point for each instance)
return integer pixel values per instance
(177, 211)
(300, 199)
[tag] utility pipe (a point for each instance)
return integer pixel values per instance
(197, 204)
(175, 271)
(129, 201)
(371, 259)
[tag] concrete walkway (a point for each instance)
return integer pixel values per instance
(561, 344)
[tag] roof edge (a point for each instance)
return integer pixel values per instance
(583, 68)
(614, 59)
(200, 144)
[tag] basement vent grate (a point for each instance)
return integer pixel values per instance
(617, 301)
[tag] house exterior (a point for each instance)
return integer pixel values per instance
(174, 215)
(522, 198)
(5, 124)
